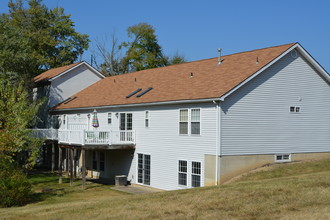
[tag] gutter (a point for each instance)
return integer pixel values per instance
(139, 104)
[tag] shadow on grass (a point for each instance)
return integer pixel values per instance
(42, 196)
(46, 188)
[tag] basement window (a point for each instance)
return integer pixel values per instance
(295, 109)
(183, 169)
(282, 157)
(196, 170)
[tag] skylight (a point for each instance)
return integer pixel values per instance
(70, 99)
(133, 93)
(144, 92)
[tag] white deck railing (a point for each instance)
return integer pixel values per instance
(83, 137)
(49, 134)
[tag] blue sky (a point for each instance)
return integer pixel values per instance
(196, 29)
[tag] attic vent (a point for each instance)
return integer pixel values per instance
(144, 92)
(133, 93)
(294, 54)
(70, 99)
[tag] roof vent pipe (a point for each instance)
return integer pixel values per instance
(219, 56)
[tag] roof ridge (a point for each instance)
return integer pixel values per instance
(261, 49)
(202, 60)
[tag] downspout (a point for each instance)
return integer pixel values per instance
(217, 147)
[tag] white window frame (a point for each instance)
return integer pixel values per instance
(147, 119)
(137, 169)
(200, 175)
(110, 117)
(188, 116)
(191, 121)
(180, 172)
(282, 160)
(189, 127)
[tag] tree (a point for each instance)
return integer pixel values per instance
(141, 52)
(36, 38)
(17, 114)
(111, 59)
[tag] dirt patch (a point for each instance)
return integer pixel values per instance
(268, 167)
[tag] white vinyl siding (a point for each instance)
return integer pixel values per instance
(70, 83)
(256, 119)
(161, 141)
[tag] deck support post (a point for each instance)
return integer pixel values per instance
(53, 157)
(67, 161)
(60, 165)
(74, 163)
(71, 165)
(83, 168)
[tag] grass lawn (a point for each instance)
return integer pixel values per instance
(290, 191)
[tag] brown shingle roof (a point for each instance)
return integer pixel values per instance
(49, 74)
(192, 80)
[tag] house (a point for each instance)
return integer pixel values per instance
(57, 85)
(200, 123)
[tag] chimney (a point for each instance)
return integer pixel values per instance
(219, 56)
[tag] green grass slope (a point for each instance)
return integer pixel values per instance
(290, 191)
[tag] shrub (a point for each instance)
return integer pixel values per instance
(15, 188)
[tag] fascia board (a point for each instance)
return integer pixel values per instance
(139, 104)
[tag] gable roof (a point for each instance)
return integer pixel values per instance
(196, 80)
(52, 74)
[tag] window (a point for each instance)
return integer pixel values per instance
(195, 174)
(102, 159)
(126, 121)
(294, 109)
(183, 121)
(195, 121)
(183, 172)
(283, 158)
(109, 118)
(64, 117)
(94, 165)
(190, 121)
(147, 119)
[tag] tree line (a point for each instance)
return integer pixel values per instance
(34, 38)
